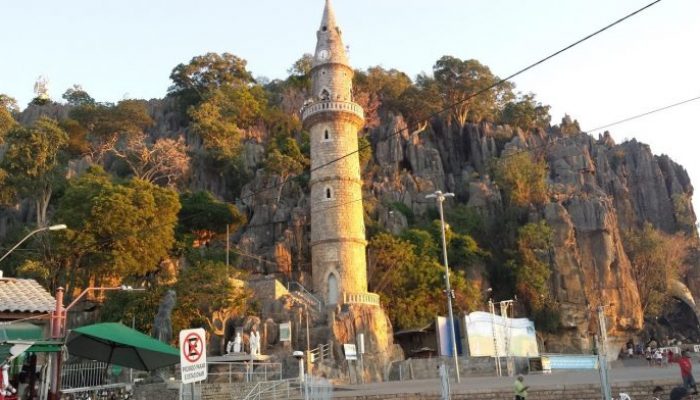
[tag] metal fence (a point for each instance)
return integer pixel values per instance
(316, 388)
(91, 379)
(84, 374)
(243, 372)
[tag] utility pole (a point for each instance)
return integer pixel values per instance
(496, 351)
(507, 334)
(603, 355)
(228, 244)
(440, 197)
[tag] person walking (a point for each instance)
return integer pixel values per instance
(520, 388)
(686, 365)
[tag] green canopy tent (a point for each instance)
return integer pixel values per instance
(19, 337)
(115, 343)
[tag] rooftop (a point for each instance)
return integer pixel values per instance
(24, 295)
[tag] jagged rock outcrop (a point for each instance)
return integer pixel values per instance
(598, 191)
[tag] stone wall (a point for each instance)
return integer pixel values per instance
(636, 390)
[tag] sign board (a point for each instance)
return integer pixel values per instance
(286, 332)
(572, 361)
(193, 355)
(696, 348)
(493, 335)
(546, 365)
(361, 342)
(350, 352)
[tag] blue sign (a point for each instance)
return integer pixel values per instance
(558, 361)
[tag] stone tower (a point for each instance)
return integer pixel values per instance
(337, 226)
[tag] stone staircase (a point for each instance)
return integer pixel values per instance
(305, 297)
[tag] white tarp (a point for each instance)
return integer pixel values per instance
(514, 336)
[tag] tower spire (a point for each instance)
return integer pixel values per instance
(329, 47)
(328, 19)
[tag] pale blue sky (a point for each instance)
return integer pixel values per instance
(129, 47)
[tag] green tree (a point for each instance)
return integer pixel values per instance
(224, 113)
(284, 159)
(526, 113)
(412, 281)
(419, 102)
(657, 258)
(300, 72)
(33, 163)
(459, 80)
(116, 229)
(381, 87)
(522, 178)
(110, 126)
(76, 96)
(217, 290)
(78, 144)
(8, 103)
(193, 82)
(204, 216)
(531, 264)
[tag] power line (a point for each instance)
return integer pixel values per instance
(645, 114)
(435, 114)
(471, 96)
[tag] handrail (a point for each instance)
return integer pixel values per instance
(302, 289)
(361, 298)
(268, 387)
(332, 105)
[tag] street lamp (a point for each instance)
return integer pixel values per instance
(58, 325)
(58, 227)
(440, 197)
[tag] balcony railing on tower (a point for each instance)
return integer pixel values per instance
(329, 105)
(361, 298)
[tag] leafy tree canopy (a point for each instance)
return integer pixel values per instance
(220, 118)
(116, 229)
(192, 82)
(531, 264)
(657, 258)
(76, 96)
(459, 80)
(526, 113)
(522, 178)
(202, 212)
(33, 164)
(8, 103)
(412, 281)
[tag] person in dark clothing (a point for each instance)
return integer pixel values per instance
(679, 393)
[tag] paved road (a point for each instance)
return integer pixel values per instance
(620, 374)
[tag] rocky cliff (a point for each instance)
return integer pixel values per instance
(597, 190)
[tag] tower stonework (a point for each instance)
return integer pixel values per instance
(333, 120)
(338, 241)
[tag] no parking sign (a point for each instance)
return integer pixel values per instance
(193, 355)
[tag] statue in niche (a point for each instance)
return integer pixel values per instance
(237, 343)
(163, 326)
(254, 341)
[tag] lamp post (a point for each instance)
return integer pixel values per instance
(440, 197)
(58, 328)
(32, 233)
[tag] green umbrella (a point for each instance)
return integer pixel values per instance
(117, 344)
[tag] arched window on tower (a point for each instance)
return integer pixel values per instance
(328, 192)
(325, 95)
(332, 289)
(326, 135)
